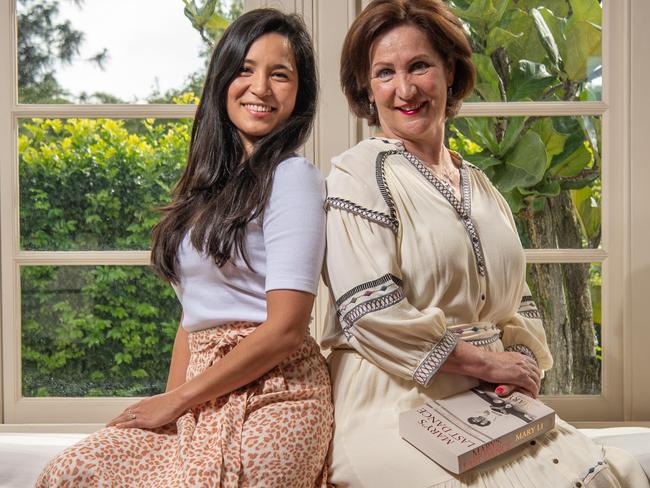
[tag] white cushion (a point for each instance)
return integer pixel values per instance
(635, 440)
(23, 456)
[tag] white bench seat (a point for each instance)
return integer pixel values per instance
(22, 456)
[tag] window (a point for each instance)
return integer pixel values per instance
(99, 131)
(64, 261)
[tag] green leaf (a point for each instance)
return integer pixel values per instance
(573, 164)
(515, 126)
(587, 205)
(527, 46)
(525, 164)
(487, 82)
(546, 188)
(481, 132)
(583, 40)
(515, 200)
(216, 23)
(552, 139)
(586, 122)
(207, 10)
(499, 37)
(546, 38)
(559, 7)
(476, 13)
(482, 160)
(529, 81)
(587, 10)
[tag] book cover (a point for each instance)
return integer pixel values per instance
(470, 428)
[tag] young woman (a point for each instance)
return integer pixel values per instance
(248, 396)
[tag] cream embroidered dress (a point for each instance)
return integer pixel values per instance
(412, 270)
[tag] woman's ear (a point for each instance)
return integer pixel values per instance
(371, 97)
(451, 72)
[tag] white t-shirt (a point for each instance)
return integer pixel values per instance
(285, 247)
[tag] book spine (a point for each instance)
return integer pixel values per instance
(506, 442)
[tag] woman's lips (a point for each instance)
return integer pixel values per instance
(258, 110)
(411, 109)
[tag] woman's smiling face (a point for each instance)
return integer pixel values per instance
(263, 95)
(408, 84)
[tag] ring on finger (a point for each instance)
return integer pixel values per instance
(131, 415)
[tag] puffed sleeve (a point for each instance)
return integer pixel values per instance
(524, 332)
(363, 274)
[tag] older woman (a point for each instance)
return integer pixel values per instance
(426, 271)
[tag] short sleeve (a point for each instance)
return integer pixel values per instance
(294, 227)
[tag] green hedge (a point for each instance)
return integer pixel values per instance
(94, 185)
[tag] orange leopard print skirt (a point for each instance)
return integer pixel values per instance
(271, 433)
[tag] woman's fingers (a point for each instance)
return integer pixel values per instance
(128, 415)
(504, 390)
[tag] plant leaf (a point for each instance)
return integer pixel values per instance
(525, 164)
(546, 38)
(528, 81)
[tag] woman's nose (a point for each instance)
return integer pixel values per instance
(405, 87)
(260, 85)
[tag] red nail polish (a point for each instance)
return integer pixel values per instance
(500, 389)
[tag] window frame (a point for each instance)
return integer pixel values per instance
(624, 397)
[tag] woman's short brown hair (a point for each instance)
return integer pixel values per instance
(442, 27)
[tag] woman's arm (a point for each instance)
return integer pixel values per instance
(180, 359)
(273, 341)
(288, 316)
(510, 369)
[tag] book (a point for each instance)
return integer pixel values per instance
(467, 429)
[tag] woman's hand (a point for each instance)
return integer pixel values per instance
(150, 413)
(512, 371)
(505, 390)
(508, 369)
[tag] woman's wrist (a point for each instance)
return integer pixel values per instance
(466, 359)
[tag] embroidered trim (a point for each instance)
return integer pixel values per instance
(380, 175)
(432, 362)
(485, 341)
(371, 215)
(370, 306)
(463, 208)
(531, 314)
(521, 349)
(367, 285)
(588, 474)
(526, 298)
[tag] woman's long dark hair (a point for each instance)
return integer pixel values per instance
(220, 191)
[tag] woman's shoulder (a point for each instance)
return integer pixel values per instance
(297, 170)
(356, 168)
(356, 183)
(363, 156)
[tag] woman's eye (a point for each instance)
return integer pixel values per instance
(384, 73)
(281, 76)
(245, 70)
(419, 67)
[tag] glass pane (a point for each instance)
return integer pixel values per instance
(547, 168)
(568, 297)
(535, 49)
(94, 51)
(94, 184)
(95, 330)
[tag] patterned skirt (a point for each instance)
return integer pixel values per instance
(273, 432)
